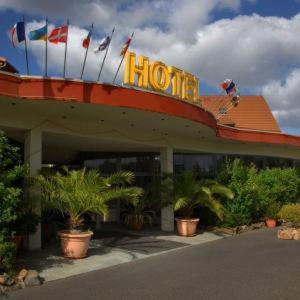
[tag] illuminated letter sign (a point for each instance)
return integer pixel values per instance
(161, 78)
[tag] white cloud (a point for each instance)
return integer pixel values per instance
(284, 98)
(172, 15)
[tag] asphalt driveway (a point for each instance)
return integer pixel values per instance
(254, 265)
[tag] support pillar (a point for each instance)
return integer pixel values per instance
(166, 166)
(33, 158)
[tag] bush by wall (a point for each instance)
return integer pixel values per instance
(279, 184)
(240, 178)
(11, 170)
(290, 212)
(256, 191)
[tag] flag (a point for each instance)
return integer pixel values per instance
(231, 88)
(59, 35)
(125, 47)
(18, 33)
(38, 34)
(103, 45)
(86, 41)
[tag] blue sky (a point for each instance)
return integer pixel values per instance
(255, 42)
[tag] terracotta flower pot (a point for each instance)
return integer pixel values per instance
(135, 224)
(187, 227)
(271, 223)
(75, 245)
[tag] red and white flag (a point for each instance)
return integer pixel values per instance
(126, 46)
(59, 35)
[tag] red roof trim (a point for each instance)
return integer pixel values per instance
(258, 136)
(93, 93)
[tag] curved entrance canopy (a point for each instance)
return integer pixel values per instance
(82, 116)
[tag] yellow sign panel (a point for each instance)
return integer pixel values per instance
(161, 78)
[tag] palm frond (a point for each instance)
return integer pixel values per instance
(218, 189)
(181, 203)
(215, 207)
(120, 178)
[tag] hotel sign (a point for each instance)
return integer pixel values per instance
(157, 76)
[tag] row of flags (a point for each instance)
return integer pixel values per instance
(60, 35)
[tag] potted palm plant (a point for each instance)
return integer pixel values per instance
(78, 192)
(190, 193)
(137, 213)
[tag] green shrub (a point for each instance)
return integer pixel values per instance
(241, 179)
(7, 254)
(290, 212)
(258, 193)
(272, 210)
(279, 184)
(11, 171)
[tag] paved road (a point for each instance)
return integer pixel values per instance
(254, 265)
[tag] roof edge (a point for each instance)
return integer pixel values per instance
(59, 89)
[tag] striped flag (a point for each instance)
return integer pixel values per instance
(17, 33)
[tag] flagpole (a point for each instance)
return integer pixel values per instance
(86, 52)
(111, 35)
(121, 62)
(26, 53)
(46, 49)
(66, 47)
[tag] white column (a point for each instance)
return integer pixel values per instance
(33, 158)
(166, 166)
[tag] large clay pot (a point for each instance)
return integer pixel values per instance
(187, 227)
(135, 224)
(271, 223)
(75, 245)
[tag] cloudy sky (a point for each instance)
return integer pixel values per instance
(255, 42)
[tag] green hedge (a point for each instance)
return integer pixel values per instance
(258, 193)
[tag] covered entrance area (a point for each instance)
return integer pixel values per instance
(110, 128)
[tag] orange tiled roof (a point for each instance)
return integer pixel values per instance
(252, 112)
